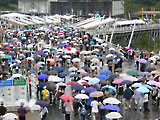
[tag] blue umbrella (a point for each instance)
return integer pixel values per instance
(109, 87)
(77, 87)
(42, 76)
(53, 49)
(57, 68)
(113, 76)
(63, 74)
(8, 57)
(147, 86)
(102, 77)
(74, 75)
(42, 54)
(42, 103)
(89, 90)
(112, 107)
(142, 50)
(107, 72)
(60, 45)
(137, 85)
(143, 89)
(12, 61)
(127, 82)
(31, 52)
(144, 73)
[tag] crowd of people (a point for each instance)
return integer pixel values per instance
(69, 61)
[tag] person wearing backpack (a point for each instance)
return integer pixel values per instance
(83, 110)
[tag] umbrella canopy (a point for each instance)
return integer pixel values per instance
(76, 60)
(147, 86)
(113, 115)
(151, 82)
(109, 87)
(42, 103)
(95, 60)
(96, 94)
(102, 77)
(22, 101)
(157, 84)
(54, 78)
(127, 82)
(77, 87)
(66, 97)
(74, 75)
(42, 76)
(132, 73)
(57, 68)
(112, 107)
(137, 85)
(93, 81)
(87, 78)
(72, 69)
(113, 76)
(142, 61)
(63, 74)
(82, 71)
(131, 78)
(117, 81)
(81, 96)
(10, 116)
(111, 100)
(143, 89)
(150, 69)
(155, 72)
(89, 90)
(72, 83)
(107, 72)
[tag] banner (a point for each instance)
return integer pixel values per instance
(19, 82)
(4, 83)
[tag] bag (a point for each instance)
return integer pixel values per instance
(83, 111)
(63, 110)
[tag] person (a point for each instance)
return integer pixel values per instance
(145, 104)
(59, 93)
(69, 108)
(101, 109)
(94, 111)
(158, 97)
(137, 98)
(3, 110)
(22, 112)
(128, 95)
(44, 112)
(45, 94)
(83, 110)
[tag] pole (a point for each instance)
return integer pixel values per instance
(129, 44)
(2, 32)
(9, 47)
(151, 14)
(154, 16)
(142, 13)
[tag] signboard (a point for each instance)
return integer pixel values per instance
(4, 83)
(21, 81)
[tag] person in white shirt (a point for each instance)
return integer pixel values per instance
(44, 112)
(95, 110)
(145, 99)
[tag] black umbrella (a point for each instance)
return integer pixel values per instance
(150, 69)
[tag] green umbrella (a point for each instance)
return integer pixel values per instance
(132, 73)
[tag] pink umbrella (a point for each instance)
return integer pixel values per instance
(82, 71)
(157, 84)
(151, 82)
(66, 97)
(130, 50)
(118, 81)
(131, 78)
(127, 47)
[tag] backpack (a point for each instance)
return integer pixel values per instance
(83, 110)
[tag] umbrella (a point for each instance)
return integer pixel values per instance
(30, 58)
(144, 73)
(143, 89)
(113, 115)
(77, 87)
(157, 84)
(93, 81)
(42, 103)
(102, 77)
(60, 84)
(72, 83)
(109, 87)
(119, 70)
(74, 75)
(147, 86)
(72, 69)
(44, 72)
(81, 96)
(104, 82)
(3, 73)
(142, 61)
(95, 60)
(111, 100)
(111, 49)
(63, 74)
(82, 71)
(96, 94)
(1, 100)
(50, 85)
(150, 69)
(16, 75)
(107, 72)
(112, 107)
(87, 78)
(76, 60)
(10, 116)
(117, 81)
(32, 72)
(66, 97)
(131, 78)
(58, 68)
(151, 82)
(42, 76)
(53, 72)
(113, 76)
(16, 65)
(132, 73)
(155, 72)
(127, 82)
(89, 90)
(54, 78)
(137, 85)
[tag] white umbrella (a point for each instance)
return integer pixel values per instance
(33, 106)
(10, 116)
(80, 81)
(66, 56)
(1, 100)
(87, 78)
(93, 81)
(112, 49)
(83, 52)
(95, 60)
(111, 100)
(76, 60)
(72, 69)
(41, 63)
(30, 58)
(81, 96)
(109, 55)
(20, 101)
(113, 115)
(16, 75)
(60, 84)
(151, 82)
(54, 78)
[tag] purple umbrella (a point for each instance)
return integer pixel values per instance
(142, 61)
(89, 90)
(112, 107)
(77, 87)
(42, 103)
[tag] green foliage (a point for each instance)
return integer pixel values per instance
(8, 5)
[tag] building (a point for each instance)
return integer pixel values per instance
(63, 7)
